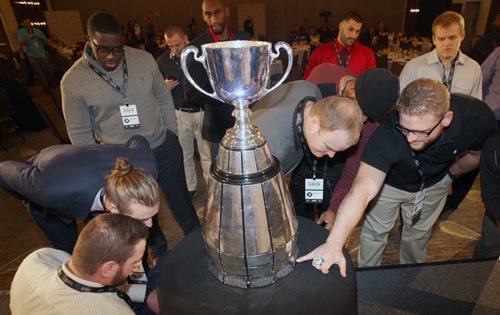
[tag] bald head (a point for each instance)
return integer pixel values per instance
(215, 13)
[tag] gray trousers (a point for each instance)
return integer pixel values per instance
(189, 128)
(381, 217)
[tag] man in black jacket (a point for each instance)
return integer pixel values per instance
(218, 116)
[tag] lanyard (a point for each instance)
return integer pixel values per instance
(216, 38)
(447, 81)
(419, 169)
(298, 131)
(85, 288)
(418, 166)
(338, 55)
(108, 79)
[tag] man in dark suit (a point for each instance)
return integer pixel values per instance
(218, 115)
(61, 183)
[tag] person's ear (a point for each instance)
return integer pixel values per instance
(447, 119)
(108, 269)
(110, 206)
(313, 124)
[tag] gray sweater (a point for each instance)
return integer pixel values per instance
(92, 107)
(274, 116)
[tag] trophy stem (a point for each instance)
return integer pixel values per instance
(243, 135)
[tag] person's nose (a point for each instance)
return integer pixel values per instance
(410, 137)
(212, 20)
(331, 154)
(149, 222)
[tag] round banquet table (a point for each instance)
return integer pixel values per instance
(187, 287)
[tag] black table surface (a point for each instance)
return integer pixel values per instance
(187, 287)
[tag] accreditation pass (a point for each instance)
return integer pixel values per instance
(130, 118)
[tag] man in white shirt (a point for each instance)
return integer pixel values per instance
(446, 63)
(50, 281)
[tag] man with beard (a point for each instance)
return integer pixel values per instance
(457, 71)
(218, 115)
(344, 51)
(408, 163)
(52, 281)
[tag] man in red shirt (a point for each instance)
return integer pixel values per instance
(344, 51)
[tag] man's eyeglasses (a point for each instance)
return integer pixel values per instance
(116, 51)
(417, 133)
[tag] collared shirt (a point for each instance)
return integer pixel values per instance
(97, 204)
(362, 57)
(491, 81)
(388, 151)
(467, 76)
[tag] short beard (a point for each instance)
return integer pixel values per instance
(223, 28)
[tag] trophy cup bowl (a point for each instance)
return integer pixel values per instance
(249, 225)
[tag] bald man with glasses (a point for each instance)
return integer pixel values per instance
(408, 164)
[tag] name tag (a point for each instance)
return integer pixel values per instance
(130, 117)
(314, 190)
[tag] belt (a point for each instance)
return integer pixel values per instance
(190, 109)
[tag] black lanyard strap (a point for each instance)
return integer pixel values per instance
(448, 81)
(85, 288)
(298, 130)
(418, 166)
(341, 62)
(108, 79)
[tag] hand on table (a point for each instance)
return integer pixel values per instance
(330, 256)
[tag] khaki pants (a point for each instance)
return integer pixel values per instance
(189, 127)
(381, 217)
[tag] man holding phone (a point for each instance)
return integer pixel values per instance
(189, 116)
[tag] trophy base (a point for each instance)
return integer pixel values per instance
(256, 276)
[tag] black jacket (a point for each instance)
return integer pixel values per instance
(67, 177)
(218, 115)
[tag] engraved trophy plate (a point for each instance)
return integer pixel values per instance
(249, 224)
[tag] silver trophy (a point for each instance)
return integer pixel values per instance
(249, 225)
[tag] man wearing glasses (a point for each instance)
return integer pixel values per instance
(408, 164)
(114, 92)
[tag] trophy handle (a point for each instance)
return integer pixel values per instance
(201, 59)
(288, 49)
